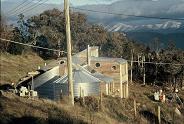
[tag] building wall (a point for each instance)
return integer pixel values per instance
(112, 69)
(93, 52)
(88, 89)
(106, 68)
(49, 90)
(106, 88)
(63, 69)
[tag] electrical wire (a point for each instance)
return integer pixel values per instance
(11, 10)
(32, 7)
(30, 45)
(156, 63)
(120, 14)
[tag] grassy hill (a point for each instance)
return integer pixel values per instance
(14, 67)
(14, 109)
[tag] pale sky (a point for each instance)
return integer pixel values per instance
(77, 2)
(84, 2)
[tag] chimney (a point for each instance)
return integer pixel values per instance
(88, 55)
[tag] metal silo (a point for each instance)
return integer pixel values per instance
(44, 85)
(82, 81)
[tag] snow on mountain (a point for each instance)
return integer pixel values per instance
(171, 24)
(119, 27)
(161, 26)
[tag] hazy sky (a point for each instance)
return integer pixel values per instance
(75, 2)
(162, 8)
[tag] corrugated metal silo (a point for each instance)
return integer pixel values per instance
(83, 81)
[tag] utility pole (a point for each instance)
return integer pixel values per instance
(131, 65)
(121, 89)
(88, 55)
(138, 59)
(69, 51)
(143, 67)
(59, 47)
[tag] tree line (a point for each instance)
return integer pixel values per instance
(48, 30)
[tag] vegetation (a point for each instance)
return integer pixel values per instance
(15, 109)
(48, 30)
(14, 67)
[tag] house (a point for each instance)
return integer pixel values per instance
(92, 75)
(114, 68)
(55, 86)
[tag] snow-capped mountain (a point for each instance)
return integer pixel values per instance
(119, 27)
(145, 33)
(168, 25)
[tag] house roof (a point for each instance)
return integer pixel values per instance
(50, 65)
(84, 52)
(79, 76)
(102, 77)
(76, 60)
(79, 60)
(98, 75)
(48, 75)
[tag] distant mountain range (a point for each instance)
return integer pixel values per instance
(139, 29)
(168, 26)
(167, 31)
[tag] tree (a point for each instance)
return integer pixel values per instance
(6, 33)
(23, 28)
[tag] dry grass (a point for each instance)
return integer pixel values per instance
(113, 111)
(14, 67)
(144, 97)
(14, 108)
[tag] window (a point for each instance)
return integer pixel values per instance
(97, 65)
(62, 62)
(114, 67)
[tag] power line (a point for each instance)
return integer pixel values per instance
(120, 14)
(32, 7)
(29, 45)
(158, 63)
(17, 6)
(13, 12)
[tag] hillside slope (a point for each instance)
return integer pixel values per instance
(14, 67)
(15, 109)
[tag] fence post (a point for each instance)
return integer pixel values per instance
(80, 92)
(113, 86)
(100, 97)
(83, 98)
(159, 119)
(173, 116)
(135, 108)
